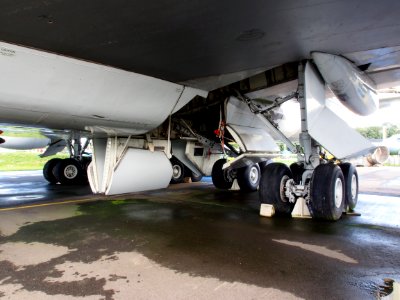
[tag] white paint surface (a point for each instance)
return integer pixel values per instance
(321, 250)
(140, 170)
(37, 87)
(325, 126)
(352, 86)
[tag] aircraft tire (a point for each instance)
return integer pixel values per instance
(297, 170)
(273, 179)
(249, 178)
(69, 171)
(218, 176)
(264, 163)
(351, 185)
(86, 162)
(48, 170)
(178, 171)
(196, 178)
(327, 192)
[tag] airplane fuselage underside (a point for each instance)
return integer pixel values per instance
(199, 42)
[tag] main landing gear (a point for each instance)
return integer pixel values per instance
(247, 177)
(180, 171)
(69, 171)
(314, 185)
(329, 189)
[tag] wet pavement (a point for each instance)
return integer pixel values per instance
(193, 241)
(380, 180)
(27, 187)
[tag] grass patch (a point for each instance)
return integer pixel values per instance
(393, 161)
(23, 161)
(286, 160)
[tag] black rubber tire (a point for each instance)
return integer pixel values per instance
(86, 162)
(69, 171)
(196, 178)
(48, 170)
(178, 171)
(218, 176)
(297, 170)
(273, 178)
(324, 188)
(264, 163)
(351, 185)
(248, 178)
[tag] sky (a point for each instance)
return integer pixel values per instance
(390, 113)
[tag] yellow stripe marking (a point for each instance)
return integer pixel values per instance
(46, 204)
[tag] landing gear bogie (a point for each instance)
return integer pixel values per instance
(69, 172)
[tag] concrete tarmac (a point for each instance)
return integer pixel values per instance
(193, 241)
(27, 187)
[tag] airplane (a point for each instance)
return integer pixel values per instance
(393, 144)
(150, 84)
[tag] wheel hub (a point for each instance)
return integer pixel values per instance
(70, 172)
(253, 175)
(353, 186)
(176, 171)
(338, 192)
(282, 189)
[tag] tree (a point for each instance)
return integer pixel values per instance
(392, 130)
(375, 132)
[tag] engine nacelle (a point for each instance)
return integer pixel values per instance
(24, 143)
(379, 156)
(354, 88)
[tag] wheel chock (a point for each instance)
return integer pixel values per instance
(235, 186)
(300, 210)
(267, 210)
(352, 213)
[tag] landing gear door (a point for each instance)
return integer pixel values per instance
(327, 128)
(247, 130)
